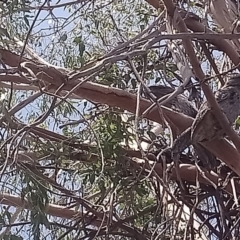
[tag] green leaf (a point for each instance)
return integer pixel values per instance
(77, 40)
(63, 38)
(133, 82)
(4, 32)
(26, 20)
(81, 46)
(92, 178)
(238, 121)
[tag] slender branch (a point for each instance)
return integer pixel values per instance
(52, 209)
(187, 173)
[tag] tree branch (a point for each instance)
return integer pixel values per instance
(187, 172)
(173, 12)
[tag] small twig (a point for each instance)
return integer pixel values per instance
(30, 30)
(11, 222)
(211, 61)
(234, 192)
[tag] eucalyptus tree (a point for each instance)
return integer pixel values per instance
(92, 95)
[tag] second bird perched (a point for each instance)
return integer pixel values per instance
(181, 104)
(206, 126)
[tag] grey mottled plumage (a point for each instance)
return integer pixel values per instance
(206, 126)
(180, 103)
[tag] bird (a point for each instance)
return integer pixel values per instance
(206, 127)
(179, 103)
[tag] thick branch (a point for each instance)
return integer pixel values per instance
(52, 209)
(187, 172)
(124, 100)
